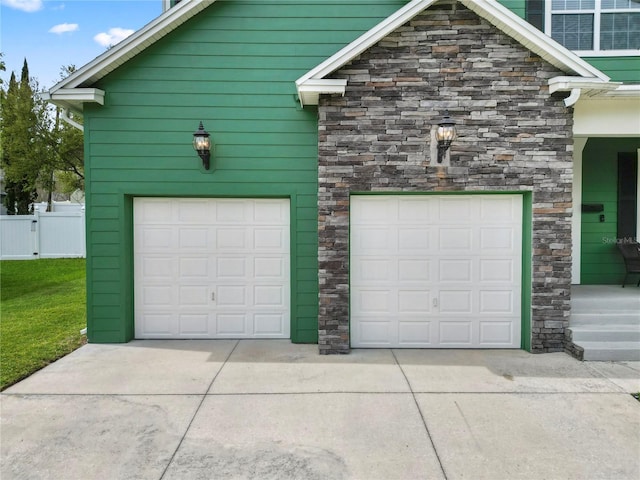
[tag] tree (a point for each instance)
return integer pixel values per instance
(38, 148)
(67, 144)
(21, 146)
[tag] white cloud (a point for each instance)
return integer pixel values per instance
(115, 35)
(63, 28)
(24, 5)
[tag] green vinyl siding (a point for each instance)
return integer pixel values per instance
(600, 261)
(620, 69)
(234, 67)
(516, 6)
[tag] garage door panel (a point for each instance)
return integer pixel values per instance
(192, 211)
(193, 239)
(375, 334)
(368, 241)
(211, 268)
(455, 209)
(500, 239)
(454, 282)
(455, 239)
(496, 333)
(155, 211)
(414, 334)
(455, 301)
(455, 270)
(269, 239)
(231, 268)
(194, 324)
(414, 240)
(270, 212)
(158, 268)
(232, 295)
(231, 324)
(265, 325)
(269, 268)
(457, 333)
(196, 268)
(498, 270)
(373, 301)
(374, 212)
(154, 295)
(500, 209)
(268, 296)
(191, 295)
(414, 210)
(373, 270)
(158, 324)
(497, 301)
(231, 239)
(414, 270)
(156, 239)
(230, 212)
(414, 301)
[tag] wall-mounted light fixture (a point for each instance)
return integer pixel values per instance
(445, 134)
(202, 144)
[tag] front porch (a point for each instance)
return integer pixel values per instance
(605, 321)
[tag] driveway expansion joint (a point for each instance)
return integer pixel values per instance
(424, 421)
(204, 396)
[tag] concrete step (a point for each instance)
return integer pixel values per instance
(623, 318)
(625, 300)
(611, 351)
(605, 333)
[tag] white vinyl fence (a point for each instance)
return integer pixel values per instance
(43, 235)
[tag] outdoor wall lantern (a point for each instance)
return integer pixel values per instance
(202, 144)
(445, 134)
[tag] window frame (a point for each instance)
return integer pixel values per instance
(597, 12)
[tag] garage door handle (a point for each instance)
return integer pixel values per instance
(435, 302)
(213, 296)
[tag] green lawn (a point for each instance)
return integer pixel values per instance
(41, 314)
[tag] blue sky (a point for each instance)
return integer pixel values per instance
(53, 33)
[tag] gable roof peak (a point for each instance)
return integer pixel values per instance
(314, 83)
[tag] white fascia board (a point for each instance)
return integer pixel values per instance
(309, 92)
(132, 45)
(564, 84)
(532, 38)
(74, 98)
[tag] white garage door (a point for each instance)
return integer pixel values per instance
(436, 271)
(211, 268)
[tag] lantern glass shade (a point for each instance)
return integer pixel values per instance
(446, 132)
(201, 143)
(201, 140)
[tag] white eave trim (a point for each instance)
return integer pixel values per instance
(91, 95)
(74, 98)
(132, 45)
(507, 21)
(309, 93)
(624, 91)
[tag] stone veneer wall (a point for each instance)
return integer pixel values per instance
(512, 136)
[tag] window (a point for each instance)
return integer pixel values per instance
(597, 27)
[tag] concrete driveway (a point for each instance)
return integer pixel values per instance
(273, 410)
